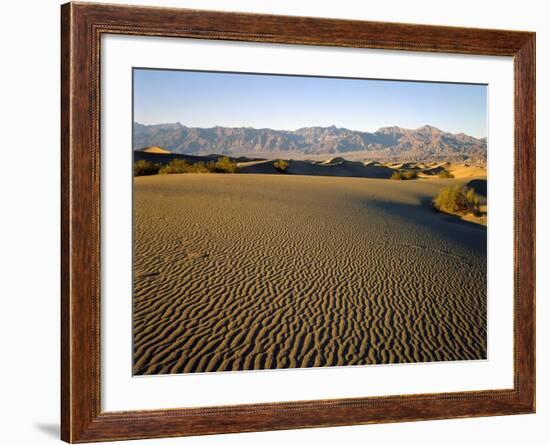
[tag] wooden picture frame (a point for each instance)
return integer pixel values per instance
(82, 26)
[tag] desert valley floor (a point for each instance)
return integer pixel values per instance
(255, 271)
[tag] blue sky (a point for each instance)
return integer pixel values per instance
(208, 99)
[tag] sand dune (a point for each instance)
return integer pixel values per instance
(333, 167)
(157, 155)
(333, 161)
(165, 158)
(461, 171)
(155, 150)
(408, 166)
(337, 166)
(248, 272)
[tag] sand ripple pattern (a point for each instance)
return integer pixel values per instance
(250, 272)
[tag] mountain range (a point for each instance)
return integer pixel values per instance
(424, 143)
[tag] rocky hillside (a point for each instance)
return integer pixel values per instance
(423, 143)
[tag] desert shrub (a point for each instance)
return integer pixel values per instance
(396, 175)
(222, 165)
(404, 174)
(281, 165)
(144, 168)
(176, 166)
(198, 167)
(443, 174)
(457, 199)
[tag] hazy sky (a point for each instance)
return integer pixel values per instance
(202, 99)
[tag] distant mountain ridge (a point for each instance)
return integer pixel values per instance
(423, 143)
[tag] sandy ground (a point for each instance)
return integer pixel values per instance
(248, 272)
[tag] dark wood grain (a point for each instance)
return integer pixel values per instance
(82, 26)
(65, 227)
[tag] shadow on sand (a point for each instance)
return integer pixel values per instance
(470, 235)
(479, 186)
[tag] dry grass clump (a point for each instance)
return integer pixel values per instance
(178, 166)
(144, 168)
(457, 199)
(175, 166)
(281, 165)
(222, 165)
(404, 175)
(445, 174)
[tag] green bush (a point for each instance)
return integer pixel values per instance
(404, 174)
(144, 168)
(176, 166)
(281, 165)
(396, 175)
(457, 199)
(444, 174)
(198, 167)
(222, 165)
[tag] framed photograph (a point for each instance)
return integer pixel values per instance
(274, 222)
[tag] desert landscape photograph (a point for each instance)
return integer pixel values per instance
(284, 221)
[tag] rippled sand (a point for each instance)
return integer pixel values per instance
(249, 272)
